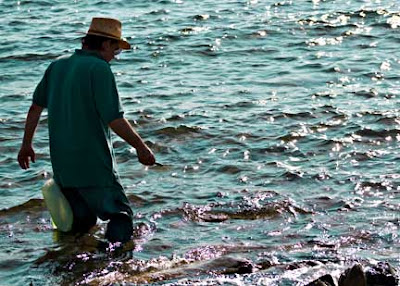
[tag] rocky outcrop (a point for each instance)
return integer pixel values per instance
(382, 274)
(354, 276)
(326, 280)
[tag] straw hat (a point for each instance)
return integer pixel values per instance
(109, 28)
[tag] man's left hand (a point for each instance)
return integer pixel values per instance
(146, 156)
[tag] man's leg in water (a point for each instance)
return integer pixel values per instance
(111, 204)
(83, 217)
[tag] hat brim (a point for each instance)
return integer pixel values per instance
(122, 43)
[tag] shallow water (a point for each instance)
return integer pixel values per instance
(277, 124)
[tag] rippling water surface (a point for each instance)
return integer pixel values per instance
(277, 124)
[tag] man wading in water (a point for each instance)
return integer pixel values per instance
(83, 104)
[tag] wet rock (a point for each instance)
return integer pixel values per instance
(202, 17)
(326, 280)
(245, 267)
(231, 265)
(265, 264)
(300, 264)
(383, 274)
(239, 266)
(318, 283)
(353, 277)
(208, 217)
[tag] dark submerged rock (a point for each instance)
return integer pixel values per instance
(232, 265)
(383, 274)
(326, 280)
(244, 267)
(354, 276)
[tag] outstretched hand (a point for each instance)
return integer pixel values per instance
(24, 155)
(123, 129)
(146, 156)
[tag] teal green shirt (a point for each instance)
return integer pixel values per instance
(82, 99)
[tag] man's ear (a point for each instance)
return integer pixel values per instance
(106, 45)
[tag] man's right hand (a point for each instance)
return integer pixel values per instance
(146, 156)
(24, 155)
(26, 152)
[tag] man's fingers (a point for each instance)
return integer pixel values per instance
(146, 157)
(22, 162)
(25, 162)
(149, 160)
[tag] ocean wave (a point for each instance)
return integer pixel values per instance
(179, 130)
(29, 57)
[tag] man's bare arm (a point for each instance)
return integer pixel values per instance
(31, 124)
(124, 130)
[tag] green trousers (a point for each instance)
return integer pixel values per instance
(106, 203)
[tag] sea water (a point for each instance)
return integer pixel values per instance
(277, 124)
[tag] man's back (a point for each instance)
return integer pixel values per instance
(81, 97)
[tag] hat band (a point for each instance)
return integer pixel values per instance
(103, 33)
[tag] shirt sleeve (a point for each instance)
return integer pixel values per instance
(40, 94)
(105, 93)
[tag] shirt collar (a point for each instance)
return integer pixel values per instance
(82, 52)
